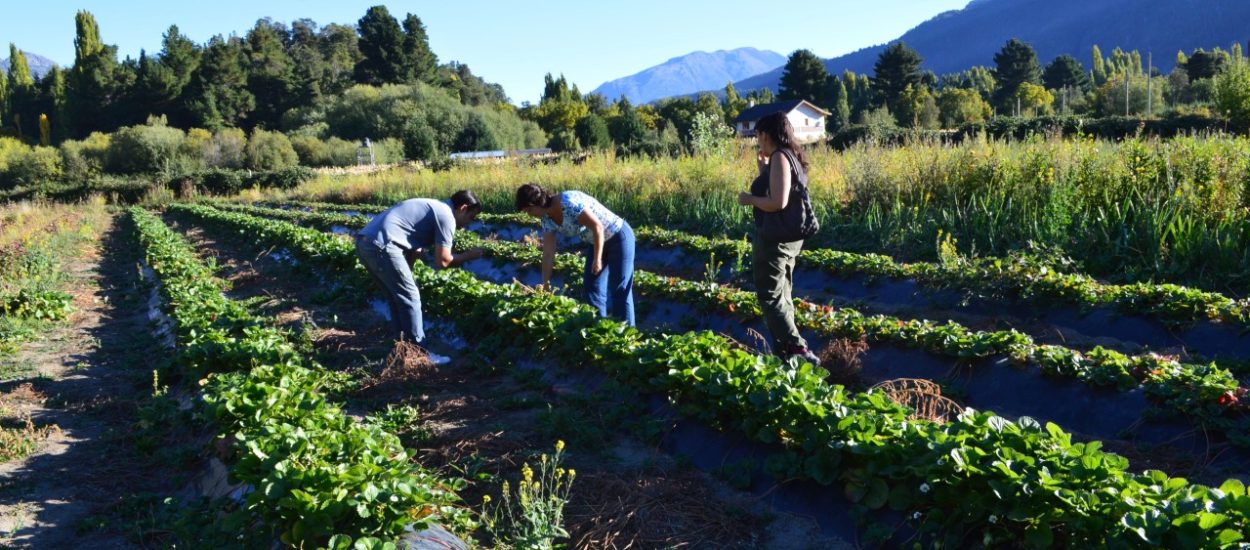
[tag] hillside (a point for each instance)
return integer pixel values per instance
(956, 40)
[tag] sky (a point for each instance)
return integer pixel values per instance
(511, 43)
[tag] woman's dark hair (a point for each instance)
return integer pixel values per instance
(464, 197)
(532, 194)
(778, 128)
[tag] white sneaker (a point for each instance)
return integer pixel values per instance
(438, 360)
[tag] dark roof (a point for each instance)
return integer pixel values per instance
(757, 112)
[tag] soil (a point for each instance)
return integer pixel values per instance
(88, 377)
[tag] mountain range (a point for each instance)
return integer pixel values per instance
(690, 73)
(38, 64)
(957, 40)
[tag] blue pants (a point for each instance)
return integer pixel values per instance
(390, 271)
(612, 290)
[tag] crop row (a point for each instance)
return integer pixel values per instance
(977, 479)
(1018, 277)
(318, 477)
(1211, 395)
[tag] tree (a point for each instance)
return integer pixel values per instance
(1204, 65)
(733, 104)
(4, 100)
(1065, 72)
(270, 72)
(840, 115)
(961, 106)
(218, 95)
(340, 47)
(181, 57)
(91, 81)
(592, 132)
(477, 135)
(23, 96)
(420, 63)
(1232, 95)
(1033, 99)
(897, 68)
(1015, 64)
(709, 105)
(1099, 69)
(678, 113)
(381, 48)
(917, 108)
(805, 77)
(56, 103)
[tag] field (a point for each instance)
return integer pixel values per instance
(1039, 344)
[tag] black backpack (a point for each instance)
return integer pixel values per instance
(795, 222)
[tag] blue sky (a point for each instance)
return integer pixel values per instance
(512, 43)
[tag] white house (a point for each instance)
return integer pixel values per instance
(808, 120)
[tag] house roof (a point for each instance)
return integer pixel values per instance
(760, 111)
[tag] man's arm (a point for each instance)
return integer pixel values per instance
(443, 257)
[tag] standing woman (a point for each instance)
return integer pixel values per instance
(609, 273)
(783, 218)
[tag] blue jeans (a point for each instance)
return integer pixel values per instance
(391, 272)
(612, 290)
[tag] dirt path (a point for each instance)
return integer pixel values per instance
(88, 377)
(480, 421)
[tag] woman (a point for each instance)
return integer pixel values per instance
(609, 273)
(775, 195)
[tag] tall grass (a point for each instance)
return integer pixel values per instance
(1164, 210)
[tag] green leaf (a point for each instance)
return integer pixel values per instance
(1039, 536)
(1208, 521)
(878, 494)
(1233, 487)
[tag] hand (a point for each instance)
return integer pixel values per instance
(596, 266)
(745, 199)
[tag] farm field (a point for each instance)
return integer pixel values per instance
(995, 400)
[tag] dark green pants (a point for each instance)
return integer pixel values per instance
(773, 265)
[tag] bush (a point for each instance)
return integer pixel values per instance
(217, 181)
(226, 150)
(270, 151)
(419, 142)
(313, 151)
(388, 151)
(34, 166)
(146, 149)
(82, 160)
(1114, 128)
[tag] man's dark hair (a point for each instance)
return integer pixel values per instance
(464, 197)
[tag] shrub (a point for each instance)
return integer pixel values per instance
(419, 142)
(85, 159)
(150, 148)
(388, 151)
(226, 150)
(270, 151)
(34, 165)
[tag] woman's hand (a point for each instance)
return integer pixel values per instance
(746, 199)
(596, 266)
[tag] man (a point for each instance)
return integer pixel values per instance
(389, 245)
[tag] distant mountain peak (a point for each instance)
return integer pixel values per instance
(39, 65)
(690, 73)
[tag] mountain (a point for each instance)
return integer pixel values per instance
(956, 40)
(39, 65)
(690, 73)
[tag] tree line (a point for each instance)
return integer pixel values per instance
(247, 82)
(900, 93)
